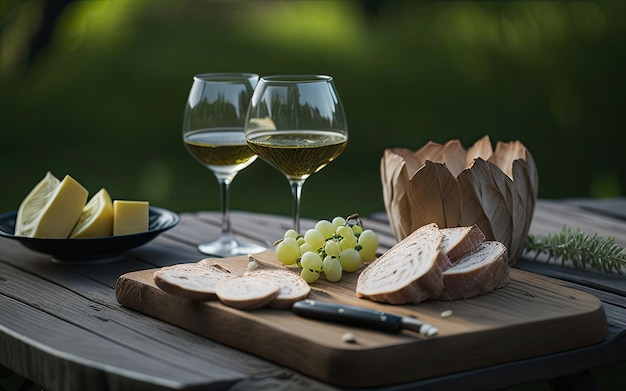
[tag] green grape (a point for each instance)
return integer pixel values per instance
(291, 233)
(326, 228)
(288, 251)
(332, 248)
(368, 240)
(350, 260)
(309, 276)
(344, 231)
(348, 242)
(338, 221)
(312, 261)
(314, 238)
(305, 248)
(345, 246)
(367, 256)
(332, 269)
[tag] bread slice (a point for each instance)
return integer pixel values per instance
(457, 242)
(247, 292)
(408, 273)
(292, 287)
(194, 281)
(482, 271)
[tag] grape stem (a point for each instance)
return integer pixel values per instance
(354, 219)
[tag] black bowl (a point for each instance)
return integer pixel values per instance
(92, 250)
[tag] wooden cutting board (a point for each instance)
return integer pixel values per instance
(533, 315)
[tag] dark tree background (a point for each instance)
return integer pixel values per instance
(96, 89)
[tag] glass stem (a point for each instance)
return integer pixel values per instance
(224, 187)
(296, 190)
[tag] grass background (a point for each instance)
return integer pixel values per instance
(104, 100)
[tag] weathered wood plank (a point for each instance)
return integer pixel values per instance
(602, 282)
(552, 216)
(612, 207)
(102, 337)
(78, 337)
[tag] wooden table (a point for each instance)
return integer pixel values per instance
(62, 327)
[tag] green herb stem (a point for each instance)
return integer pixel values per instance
(581, 249)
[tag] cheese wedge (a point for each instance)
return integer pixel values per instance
(130, 217)
(51, 211)
(96, 221)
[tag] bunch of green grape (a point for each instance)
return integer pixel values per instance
(331, 248)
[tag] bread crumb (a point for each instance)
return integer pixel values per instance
(252, 263)
(348, 338)
(446, 314)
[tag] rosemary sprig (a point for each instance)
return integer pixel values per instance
(580, 249)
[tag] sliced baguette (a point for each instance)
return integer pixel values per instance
(195, 281)
(408, 273)
(480, 272)
(292, 287)
(247, 291)
(457, 242)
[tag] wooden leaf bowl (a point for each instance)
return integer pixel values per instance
(451, 186)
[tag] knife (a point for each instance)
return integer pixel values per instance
(360, 316)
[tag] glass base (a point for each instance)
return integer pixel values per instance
(228, 246)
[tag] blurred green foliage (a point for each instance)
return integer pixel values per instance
(103, 99)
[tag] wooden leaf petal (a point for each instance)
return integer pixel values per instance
(450, 195)
(431, 151)
(514, 208)
(389, 164)
(401, 208)
(503, 183)
(412, 164)
(472, 211)
(532, 173)
(522, 217)
(481, 149)
(396, 197)
(435, 197)
(494, 201)
(454, 156)
(505, 154)
(491, 200)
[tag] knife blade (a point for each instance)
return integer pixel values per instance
(362, 317)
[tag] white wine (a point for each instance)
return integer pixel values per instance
(223, 150)
(298, 154)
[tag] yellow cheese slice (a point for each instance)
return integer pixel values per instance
(56, 218)
(130, 217)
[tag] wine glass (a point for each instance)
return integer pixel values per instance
(213, 125)
(297, 124)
